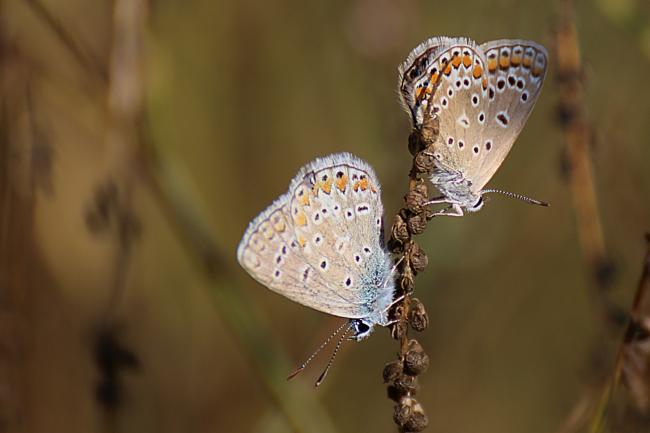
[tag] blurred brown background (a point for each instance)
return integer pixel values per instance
(138, 140)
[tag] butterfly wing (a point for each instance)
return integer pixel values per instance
(516, 71)
(482, 96)
(454, 88)
(305, 245)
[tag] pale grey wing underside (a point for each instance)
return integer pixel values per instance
(482, 96)
(309, 245)
(516, 69)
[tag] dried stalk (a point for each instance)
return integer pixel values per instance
(87, 61)
(633, 358)
(402, 374)
(577, 133)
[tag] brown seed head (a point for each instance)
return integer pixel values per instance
(417, 198)
(407, 384)
(403, 412)
(423, 162)
(418, 318)
(430, 130)
(395, 393)
(393, 370)
(417, 258)
(399, 230)
(415, 143)
(418, 420)
(416, 361)
(417, 223)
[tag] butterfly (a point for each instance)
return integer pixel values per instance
(321, 244)
(482, 96)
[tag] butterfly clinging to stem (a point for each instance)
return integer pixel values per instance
(321, 244)
(481, 96)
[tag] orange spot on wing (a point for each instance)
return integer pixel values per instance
(341, 182)
(467, 61)
(455, 61)
(434, 78)
(363, 183)
(477, 72)
(355, 186)
(327, 186)
(492, 65)
(301, 241)
(447, 70)
(537, 71)
(504, 62)
(304, 200)
(418, 91)
(515, 60)
(300, 219)
(528, 62)
(484, 83)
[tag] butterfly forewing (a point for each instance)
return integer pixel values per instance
(516, 70)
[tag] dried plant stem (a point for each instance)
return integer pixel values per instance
(91, 64)
(633, 332)
(578, 136)
(401, 375)
(582, 186)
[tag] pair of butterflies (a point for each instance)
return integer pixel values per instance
(321, 243)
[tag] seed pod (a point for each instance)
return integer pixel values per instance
(417, 258)
(418, 318)
(423, 162)
(403, 412)
(396, 394)
(399, 230)
(416, 361)
(417, 223)
(407, 384)
(418, 420)
(393, 370)
(415, 143)
(417, 198)
(430, 130)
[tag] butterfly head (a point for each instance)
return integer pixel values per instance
(478, 204)
(362, 328)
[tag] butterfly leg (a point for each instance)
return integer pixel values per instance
(437, 200)
(453, 210)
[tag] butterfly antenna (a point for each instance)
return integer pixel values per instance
(517, 196)
(325, 343)
(322, 376)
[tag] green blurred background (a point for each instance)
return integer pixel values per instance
(239, 95)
